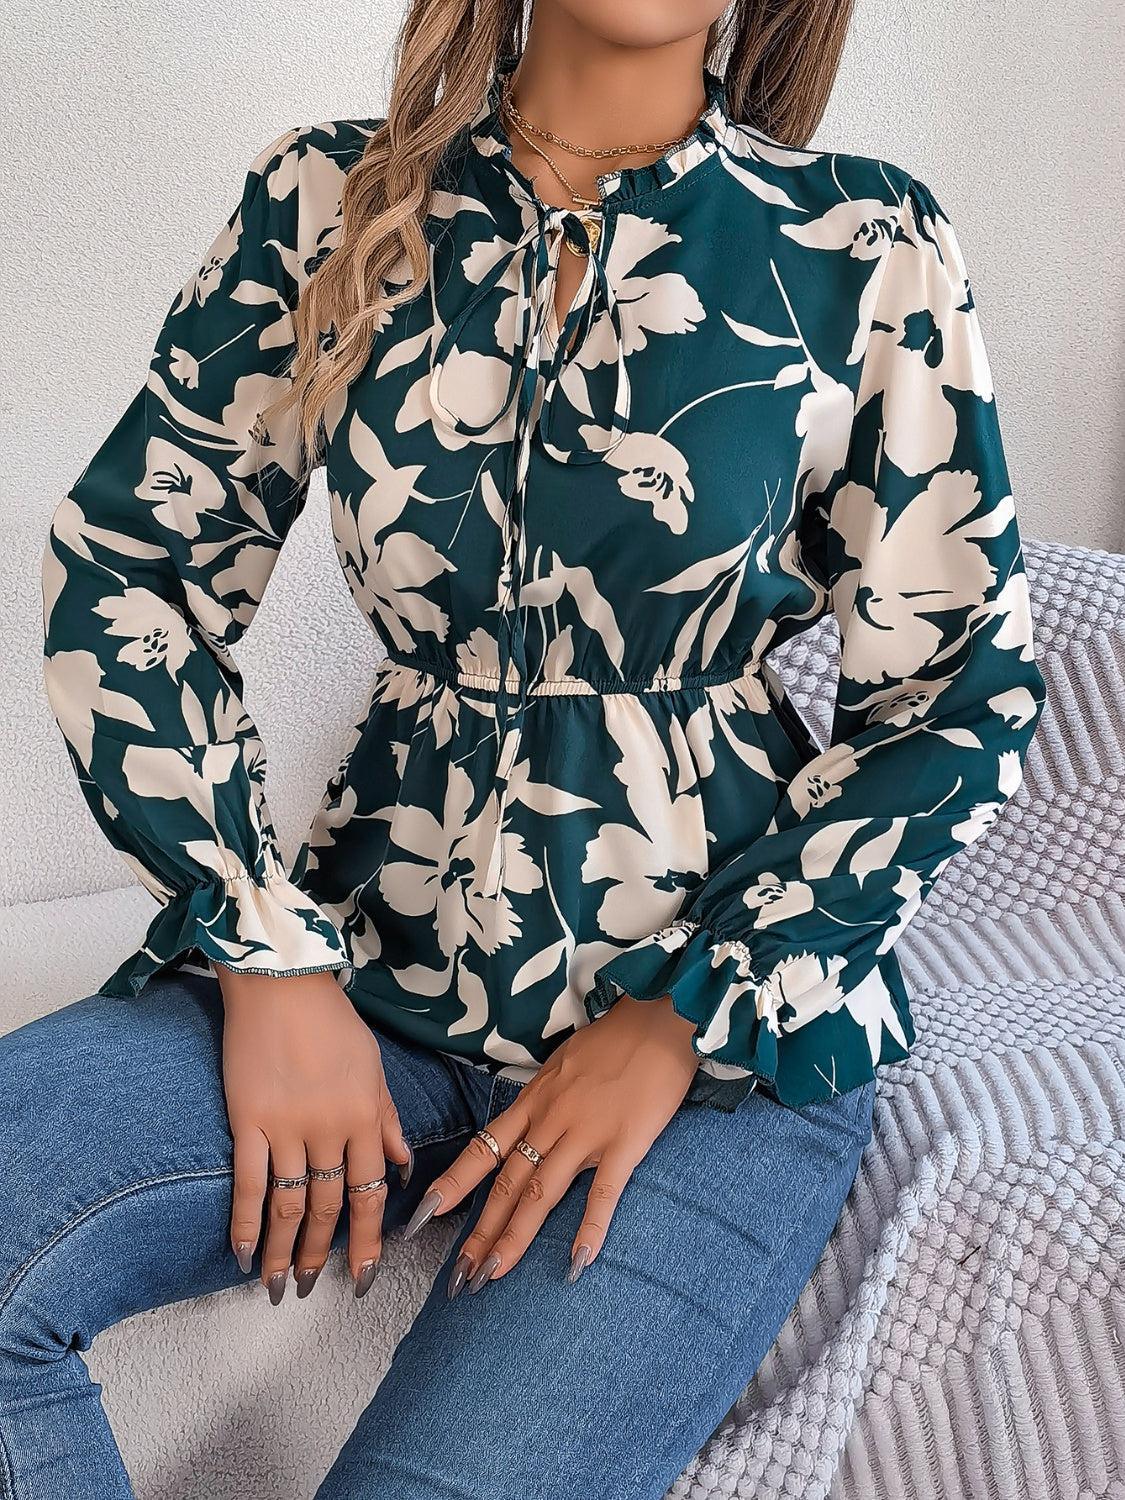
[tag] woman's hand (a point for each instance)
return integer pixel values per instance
(600, 1100)
(305, 1088)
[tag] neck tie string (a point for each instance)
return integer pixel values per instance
(538, 251)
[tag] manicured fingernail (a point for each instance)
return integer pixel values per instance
(578, 1263)
(306, 1280)
(484, 1272)
(423, 1213)
(405, 1172)
(366, 1277)
(245, 1255)
(458, 1276)
(277, 1286)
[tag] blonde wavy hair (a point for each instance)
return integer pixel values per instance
(778, 58)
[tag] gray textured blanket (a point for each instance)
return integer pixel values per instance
(964, 1335)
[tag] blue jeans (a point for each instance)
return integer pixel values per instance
(115, 1170)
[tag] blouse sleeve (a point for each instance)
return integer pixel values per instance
(776, 956)
(154, 566)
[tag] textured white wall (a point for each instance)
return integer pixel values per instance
(127, 132)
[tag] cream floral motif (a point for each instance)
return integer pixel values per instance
(77, 679)
(198, 776)
(917, 567)
(981, 816)
(333, 815)
(179, 487)
(863, 228)
(774, 899)
(777, 407)
(823, 779)
(445, 880)
(912, 700)
(665, 853)
(652, 470)
(155, 634)
(927, 327)
(655, 302)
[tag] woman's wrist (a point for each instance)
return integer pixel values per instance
(681, 1031)
(659, 1018)
(243, 989)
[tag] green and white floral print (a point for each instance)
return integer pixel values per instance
(578, 774)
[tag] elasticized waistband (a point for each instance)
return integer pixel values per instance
(445, 671)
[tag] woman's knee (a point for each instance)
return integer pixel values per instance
(115, 1154)
(80, 1264)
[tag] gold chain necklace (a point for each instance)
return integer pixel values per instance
(599, 151)
(525, 129)
(576, 196)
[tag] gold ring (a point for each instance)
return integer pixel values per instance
(491, 1142)
(525, 1148)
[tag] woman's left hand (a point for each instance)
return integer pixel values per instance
(600, 1100)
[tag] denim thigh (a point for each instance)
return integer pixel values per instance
(116, 1159)
(610, 1386)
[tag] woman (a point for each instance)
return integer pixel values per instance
(617, 388)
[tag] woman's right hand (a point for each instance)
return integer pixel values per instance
(305, 1087)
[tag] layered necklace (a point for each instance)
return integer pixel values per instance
(528, 132)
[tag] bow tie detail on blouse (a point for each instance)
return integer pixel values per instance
(537, 252)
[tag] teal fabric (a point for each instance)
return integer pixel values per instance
(578, 774)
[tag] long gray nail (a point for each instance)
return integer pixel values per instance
(458, 1276)
(484, 1272)
(423, 1213)
(406, 1172)
(306, 1280)
(244, 1253)
(277, 1286)
(366, 1277)
(579, 1261)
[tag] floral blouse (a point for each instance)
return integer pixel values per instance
(578, 774)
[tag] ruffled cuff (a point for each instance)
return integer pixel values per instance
(740, 1015)
(704, 977)
(255, 927)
